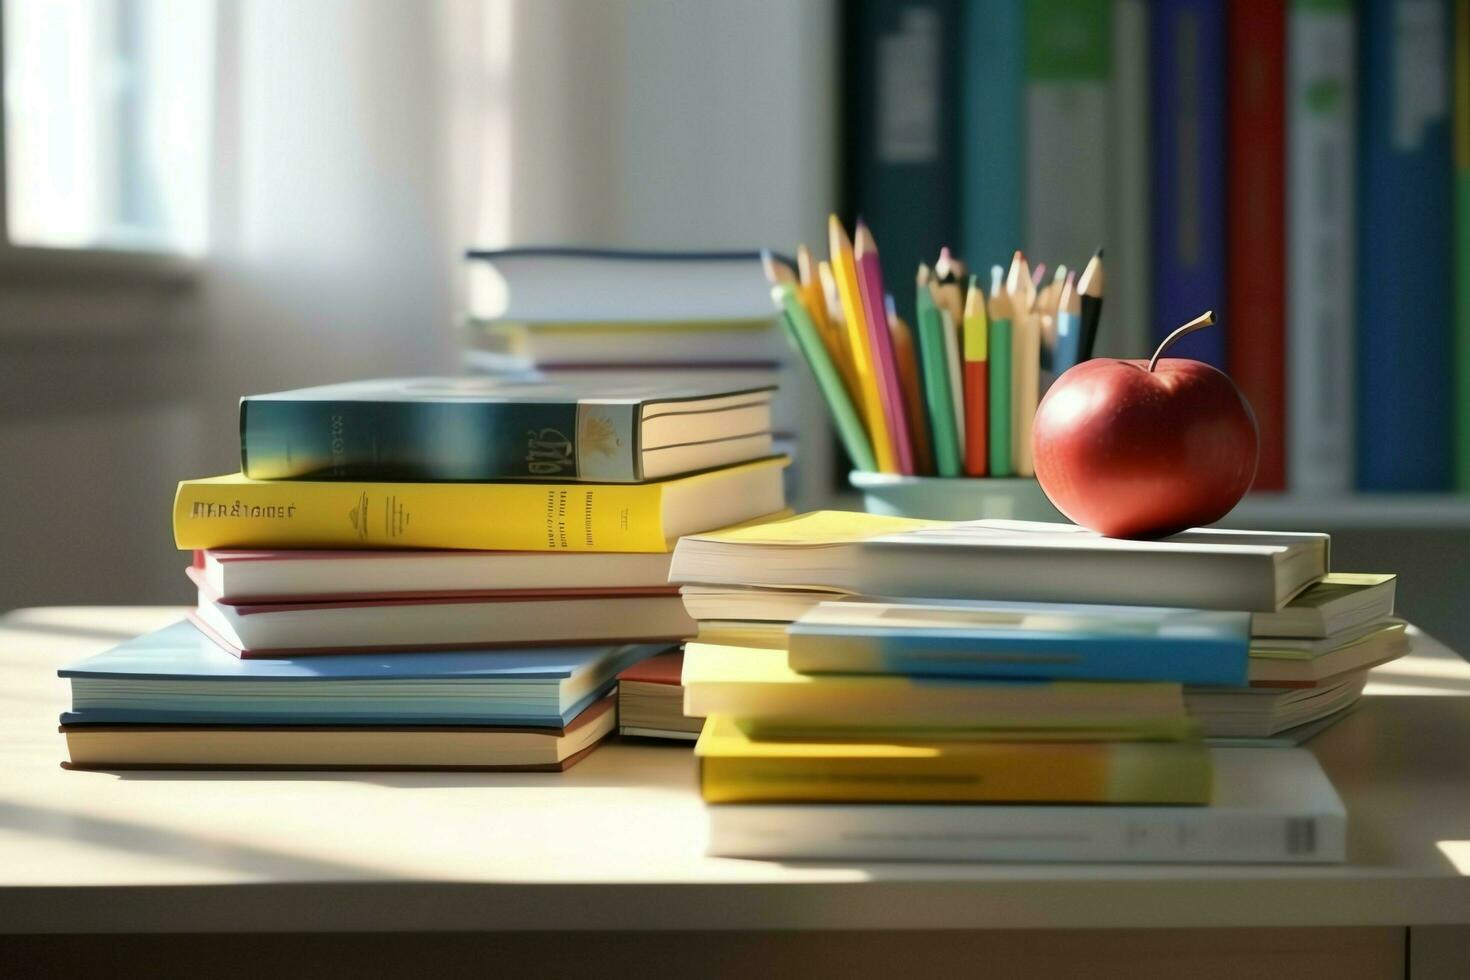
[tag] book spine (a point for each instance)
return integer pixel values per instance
(1256, 223)
(992, 154)
(1462, 244)
(950, 833)
(1068, 63)
(1021, 772)
(1219, 661)
(902, 177)
(439, 440)
(1405, 290)
(350, 514)
(1125, 329)
(1322, 151)
(1187, 95)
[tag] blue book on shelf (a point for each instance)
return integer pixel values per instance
(1405, 279)
(1187, 97)
(992, 138)
(1039, 641)
(177, 675)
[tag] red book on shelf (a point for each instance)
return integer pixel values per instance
(1256, 222)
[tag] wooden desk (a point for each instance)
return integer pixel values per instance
(617, 844)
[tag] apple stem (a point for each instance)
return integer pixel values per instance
(1205, 319)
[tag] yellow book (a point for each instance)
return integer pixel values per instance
(236, 512)
(736, 768)
(770, 700)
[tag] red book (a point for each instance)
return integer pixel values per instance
(1256, 222)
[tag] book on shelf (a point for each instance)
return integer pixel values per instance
(177, 675)
(737, 768)
(530, 285)
(1275, 806)
(303, 576)
(237, 512)
(486, 429)
(1114, 643)
(1205, 568)
(1255, 214)
(1405, 283)
(1321, 228)
(334, 626)
(290, 746)
(651, 701)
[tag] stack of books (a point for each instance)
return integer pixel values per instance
(474, 612)
(673, 320)
(851, 667)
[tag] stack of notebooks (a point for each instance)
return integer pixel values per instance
(674, 320)
(427, 573)
(878, 687)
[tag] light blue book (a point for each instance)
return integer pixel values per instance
(1023, 640)
(177, 675)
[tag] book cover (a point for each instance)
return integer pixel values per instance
(1321, 253)
(735, 768)
(901, 67)
(479, 428)
(1187, 96)
(236, 512)
(1405, 284)
(1067, 131)
(1048, 643)
(1256, 223)
(992, 144)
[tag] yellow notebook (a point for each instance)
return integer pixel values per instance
(770, 700)
(735, 768)
(236, 512)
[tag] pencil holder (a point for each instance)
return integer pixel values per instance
(954, 498)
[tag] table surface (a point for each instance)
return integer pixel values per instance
(618, 841)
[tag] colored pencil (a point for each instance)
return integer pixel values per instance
(954, 362)
(949, 285)
(845, 272)
(814, 298)
(1090, 287)
(1000, 376)
(1069, 328)
(913, 398)
(776, 270)
(844, 415)
(1025, 362)
(937, 395)
(977, 382)
(885, 365)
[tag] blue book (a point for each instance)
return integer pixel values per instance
(992, 138)
(1023, 640)
(177, 675)
(1405, 279)
(1187, 146)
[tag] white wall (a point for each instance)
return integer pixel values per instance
(342, 199)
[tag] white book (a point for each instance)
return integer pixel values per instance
(1270, 806)
(1321, 264)
(1018, 561)
(1125, 326)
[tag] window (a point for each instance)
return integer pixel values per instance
(108, 114)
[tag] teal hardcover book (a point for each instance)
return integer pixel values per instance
(483, 429)
(993, 133)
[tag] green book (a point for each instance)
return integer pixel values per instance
(938, 394)
(1461, 107)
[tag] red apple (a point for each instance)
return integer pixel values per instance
(1142, 449)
